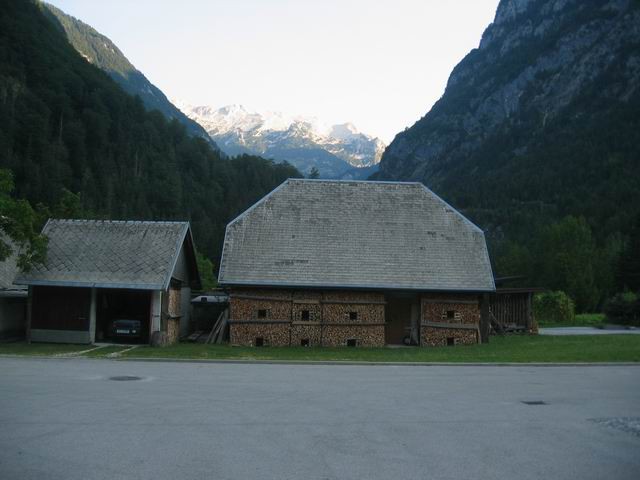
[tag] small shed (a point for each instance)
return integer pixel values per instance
(99, 271)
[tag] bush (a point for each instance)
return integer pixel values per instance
(553, 307)
(624, 309)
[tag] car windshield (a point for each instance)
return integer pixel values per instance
(126, 323)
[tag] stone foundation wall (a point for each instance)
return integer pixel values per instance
(449, 319)
(287, 317)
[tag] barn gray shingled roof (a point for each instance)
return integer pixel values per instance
(109, 254)
(354, 234)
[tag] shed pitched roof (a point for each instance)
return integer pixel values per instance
(110, 254)
(349, 234)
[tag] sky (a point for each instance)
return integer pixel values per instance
(380, 64)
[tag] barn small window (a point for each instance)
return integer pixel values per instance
(259, 342)
(304, 342)
(305, 316)
(353, 315)
(451, 314)
(352, 342)
(262, 313)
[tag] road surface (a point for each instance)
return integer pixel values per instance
(65, 419)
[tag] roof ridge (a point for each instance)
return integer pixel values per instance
(336, 180)
(129, 222)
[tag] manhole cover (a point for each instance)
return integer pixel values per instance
(534, 402)
(124, 378)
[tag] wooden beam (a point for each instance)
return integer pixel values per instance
(453, 326)
(448, 301)
(258, 297)
(356, 302)
(258, 322)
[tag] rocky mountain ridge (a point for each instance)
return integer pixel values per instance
(539, 119)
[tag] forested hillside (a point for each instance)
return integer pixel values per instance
(537, 139)
(68, 128)
(104, 54)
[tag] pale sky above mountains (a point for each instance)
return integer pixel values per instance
(380, 64)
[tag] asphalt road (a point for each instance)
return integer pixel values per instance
(64, 419)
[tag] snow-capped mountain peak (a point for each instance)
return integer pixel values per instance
(295, 138)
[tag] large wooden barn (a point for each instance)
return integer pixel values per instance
(348, 263)
(97, 272)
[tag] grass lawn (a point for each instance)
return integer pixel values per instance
(23, 348)
(582, 320)
(521, 349)
(518, 349)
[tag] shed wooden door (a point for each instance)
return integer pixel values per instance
(60, 308)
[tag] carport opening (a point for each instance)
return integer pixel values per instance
(352, 342)
(259, 342)
(304, 342)
(122, 316)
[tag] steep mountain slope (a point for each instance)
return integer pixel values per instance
(541, 121)
(104, 54)
(338, 150)
(66, 126)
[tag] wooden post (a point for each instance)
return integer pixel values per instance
(529, 313)
(156, 312)
(92, 315)
(29, 309)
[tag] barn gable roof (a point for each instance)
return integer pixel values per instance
(113, 254)
(355, 234)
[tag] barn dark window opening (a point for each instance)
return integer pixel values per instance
(451, 314)
(262, 314)
(304, 315)
(451, 341)
(259, 342)
(304, 342)
(353, 315)
(352, 342)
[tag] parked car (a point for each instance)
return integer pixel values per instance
(126, 328)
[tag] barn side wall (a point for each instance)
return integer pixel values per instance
(279, 317)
